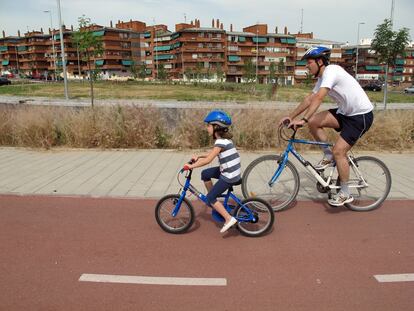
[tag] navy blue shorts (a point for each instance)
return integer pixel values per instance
(219, 187)
(352, 127)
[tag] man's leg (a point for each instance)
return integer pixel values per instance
(340, 151)
(316, 126)
(319, 121)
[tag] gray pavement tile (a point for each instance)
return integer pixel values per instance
(146, 173)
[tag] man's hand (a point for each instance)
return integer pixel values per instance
(295, 124)
(186, 167)
(285, 121)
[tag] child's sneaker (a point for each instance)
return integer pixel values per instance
(340, 199)
(228, 225)
(324, 163)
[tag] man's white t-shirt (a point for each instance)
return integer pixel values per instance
(344, 90)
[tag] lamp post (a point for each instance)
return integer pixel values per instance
(357, 44)
(53, 44)
(62, 50)
(257, 53)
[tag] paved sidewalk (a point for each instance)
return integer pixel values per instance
(143, 173)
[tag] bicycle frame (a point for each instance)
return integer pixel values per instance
(308, 166)
(229, 195)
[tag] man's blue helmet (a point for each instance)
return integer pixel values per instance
(318, 52)
(219, 118)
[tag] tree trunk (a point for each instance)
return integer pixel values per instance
(386, 87)
(90, 80)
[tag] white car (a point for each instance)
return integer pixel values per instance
(409, 89)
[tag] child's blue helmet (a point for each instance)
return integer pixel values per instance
(219, 118)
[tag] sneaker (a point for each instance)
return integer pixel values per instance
(340, 199)
(324, 163)
(228, 225)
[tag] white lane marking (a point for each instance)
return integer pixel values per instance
(405, 277)
(129, 279)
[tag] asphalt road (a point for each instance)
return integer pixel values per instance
(316, 258)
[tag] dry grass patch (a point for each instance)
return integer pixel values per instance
(134, 127)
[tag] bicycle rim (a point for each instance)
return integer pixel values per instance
(181, 222)
(256, 182)
(378, 179)
(264, 217)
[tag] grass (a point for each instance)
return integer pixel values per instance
(133, 127)
(192, 92)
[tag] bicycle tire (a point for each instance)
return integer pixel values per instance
(181, 222)
(369, 198)
(264, 217)
(257, 175)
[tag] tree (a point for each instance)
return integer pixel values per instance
(198, 70)
(249, 70)
(388, 45)
(219, 72)
(134, 70)
(281, 70)
(90, 46)
(142, 73)
(162, 73)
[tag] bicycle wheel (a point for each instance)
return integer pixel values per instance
(181, 222)
(263, 214)
(255, 182)
(377, 179)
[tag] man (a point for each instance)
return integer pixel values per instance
(352, 118)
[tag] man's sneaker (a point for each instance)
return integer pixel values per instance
(340, 199)
(324, 163)
(228, 225)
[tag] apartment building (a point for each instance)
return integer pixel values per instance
(256, 45)
(191, 52)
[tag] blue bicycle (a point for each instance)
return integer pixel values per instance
(275, 179)
(175, 213)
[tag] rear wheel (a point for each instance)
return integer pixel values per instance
(181, 222)
(369, 183)
(255, 217)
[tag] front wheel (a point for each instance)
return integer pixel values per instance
(255, 217)
(369, 183)
(174, 224)
(256, 178)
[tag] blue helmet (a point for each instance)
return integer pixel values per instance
(219, 118)
(318, 52)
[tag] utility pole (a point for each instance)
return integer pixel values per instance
(62, 50)
(357, 55)
(301, 23)
(257, 52)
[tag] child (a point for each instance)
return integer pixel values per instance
(229, 171)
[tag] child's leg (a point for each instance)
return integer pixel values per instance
(208, 174)
(219, 187)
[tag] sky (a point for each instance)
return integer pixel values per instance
(327, 19)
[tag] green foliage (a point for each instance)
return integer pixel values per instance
(142, 71)
(389, 44)
(219, 72)
(162, 73)
(249, 70)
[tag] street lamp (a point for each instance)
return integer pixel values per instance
(62, 50)
(257, 52)
(53, 44)
(356, 61)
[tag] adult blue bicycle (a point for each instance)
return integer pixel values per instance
(175, 213)
(275, 179)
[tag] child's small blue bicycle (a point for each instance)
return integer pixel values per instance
(175, 213)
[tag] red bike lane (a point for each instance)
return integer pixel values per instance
(316, 258)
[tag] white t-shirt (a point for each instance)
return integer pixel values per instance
(344, 90)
